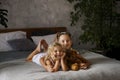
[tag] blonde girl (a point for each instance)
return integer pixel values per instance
(54, 58)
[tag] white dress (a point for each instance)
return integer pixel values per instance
(36, 58)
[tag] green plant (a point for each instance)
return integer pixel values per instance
(101, 22)
(3, 17)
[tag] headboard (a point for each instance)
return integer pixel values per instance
(37, 31)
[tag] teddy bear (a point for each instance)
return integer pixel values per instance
(75, 61)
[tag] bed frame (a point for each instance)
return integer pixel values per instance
(37, 31)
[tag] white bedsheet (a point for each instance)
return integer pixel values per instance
(102, 68)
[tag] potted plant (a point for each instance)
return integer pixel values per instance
(101, 23)
(3, 17)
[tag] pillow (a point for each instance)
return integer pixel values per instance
(15, 35)
(49, 38)
(22, 44)
(4, 37)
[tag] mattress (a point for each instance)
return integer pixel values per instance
(102, 68)
(12, 55)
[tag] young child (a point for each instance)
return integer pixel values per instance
(54, 58)
(64, 38)
(74, 60)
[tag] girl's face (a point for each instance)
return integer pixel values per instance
(65, 41)
(57, 52)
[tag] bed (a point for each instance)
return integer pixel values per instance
(14, 67)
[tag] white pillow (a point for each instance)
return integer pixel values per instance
(4, 37)
(49, 38)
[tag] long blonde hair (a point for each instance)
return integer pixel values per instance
(50, 49)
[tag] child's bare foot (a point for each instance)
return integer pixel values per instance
(44, 44)
(29, 60)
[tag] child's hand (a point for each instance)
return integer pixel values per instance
(83, 66)
(49, 69)
(63, 55)
(49, 66)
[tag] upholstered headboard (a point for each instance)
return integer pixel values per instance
(37, 31)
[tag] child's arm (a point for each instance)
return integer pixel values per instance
(43, 63)
(57, 65)
(48, 66)
(80, 57)
(85, 63)
(63, 63)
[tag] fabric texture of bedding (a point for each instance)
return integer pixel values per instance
(22, 44)
(49, 38)
(4, 37)
(102, 68)
(13, 55)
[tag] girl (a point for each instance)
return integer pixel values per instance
(72, 57)
(64, 38)
(54, 58)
